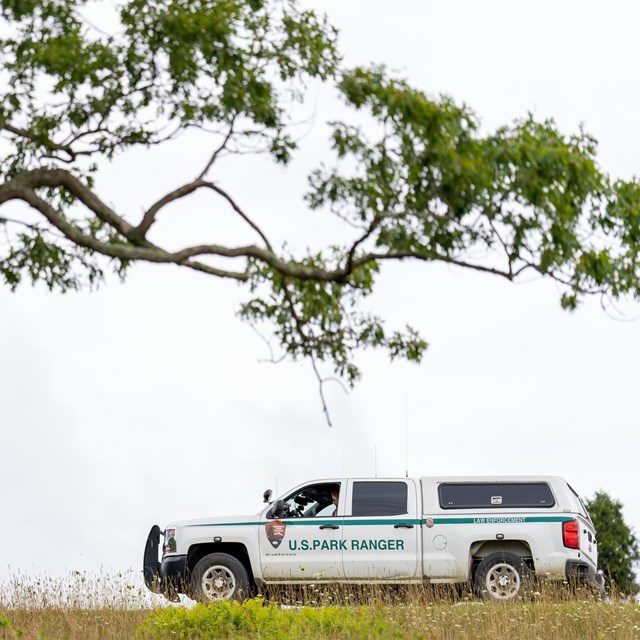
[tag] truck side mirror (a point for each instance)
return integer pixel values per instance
(267, 495)
(277, 511)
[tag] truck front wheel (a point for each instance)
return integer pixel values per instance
(501, 576)
(219, 576)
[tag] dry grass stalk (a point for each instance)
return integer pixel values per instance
(118, 607)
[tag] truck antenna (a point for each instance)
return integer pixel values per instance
(375, 460)
(406, 435)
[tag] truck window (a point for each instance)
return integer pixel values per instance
(582, 510)
(312, 501)
(493, 495)
(379, 499)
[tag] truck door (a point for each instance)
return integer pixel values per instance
(380, 533)
(305, 544)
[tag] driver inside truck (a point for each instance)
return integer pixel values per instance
(335, 496)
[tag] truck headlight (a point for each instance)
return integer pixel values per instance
(170, 545)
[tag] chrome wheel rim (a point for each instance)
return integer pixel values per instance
(218, 583)
(503, 581)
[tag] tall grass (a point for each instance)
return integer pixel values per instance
(107, 606)
(78, 590)
(543, 620)
(77, 606)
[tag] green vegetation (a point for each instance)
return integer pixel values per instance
(412, 621)
(116, 607)
(618, 547)
(254, 620)
(425, 182)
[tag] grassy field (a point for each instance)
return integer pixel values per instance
(81, 607)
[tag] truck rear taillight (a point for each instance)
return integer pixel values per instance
(571, 534)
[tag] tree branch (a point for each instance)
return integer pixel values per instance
(24, 133)
(23, 188)
(22, 223)
(431, 257)
(217, 151)
(241, 213)
(150, 253)
(149, 217)
(31, 180)
(321, 381)
(213, 271)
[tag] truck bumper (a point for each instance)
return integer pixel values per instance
(582, 572)
(173, 572)
(168, 577)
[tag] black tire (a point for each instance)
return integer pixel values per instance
(502, 577)
(219, 576)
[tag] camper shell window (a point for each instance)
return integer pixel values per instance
(493, 495)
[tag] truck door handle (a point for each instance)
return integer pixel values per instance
(329, 526)
(403, 526)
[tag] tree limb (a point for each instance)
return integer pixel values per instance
(150, 253)
(24, 133)
(37, 178)
(150, 215)
(23, 188)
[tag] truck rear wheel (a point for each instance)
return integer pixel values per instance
(219, 576)
(502, 576)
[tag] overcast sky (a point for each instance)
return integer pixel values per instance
(146, 402)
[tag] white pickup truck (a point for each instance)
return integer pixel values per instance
(491, 532)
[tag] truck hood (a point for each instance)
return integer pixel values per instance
(219, 521)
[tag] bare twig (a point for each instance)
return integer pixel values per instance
(213, 271)
(241, 213)
(24, 133)
(308, 340)
(321, 381)
(272, 359)
(217, 152)
(93, 26)
(504, 245)
(34, 227)
(150, 215)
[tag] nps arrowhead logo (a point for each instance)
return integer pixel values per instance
(275, 532)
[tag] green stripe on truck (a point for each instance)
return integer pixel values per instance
(309, 522)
